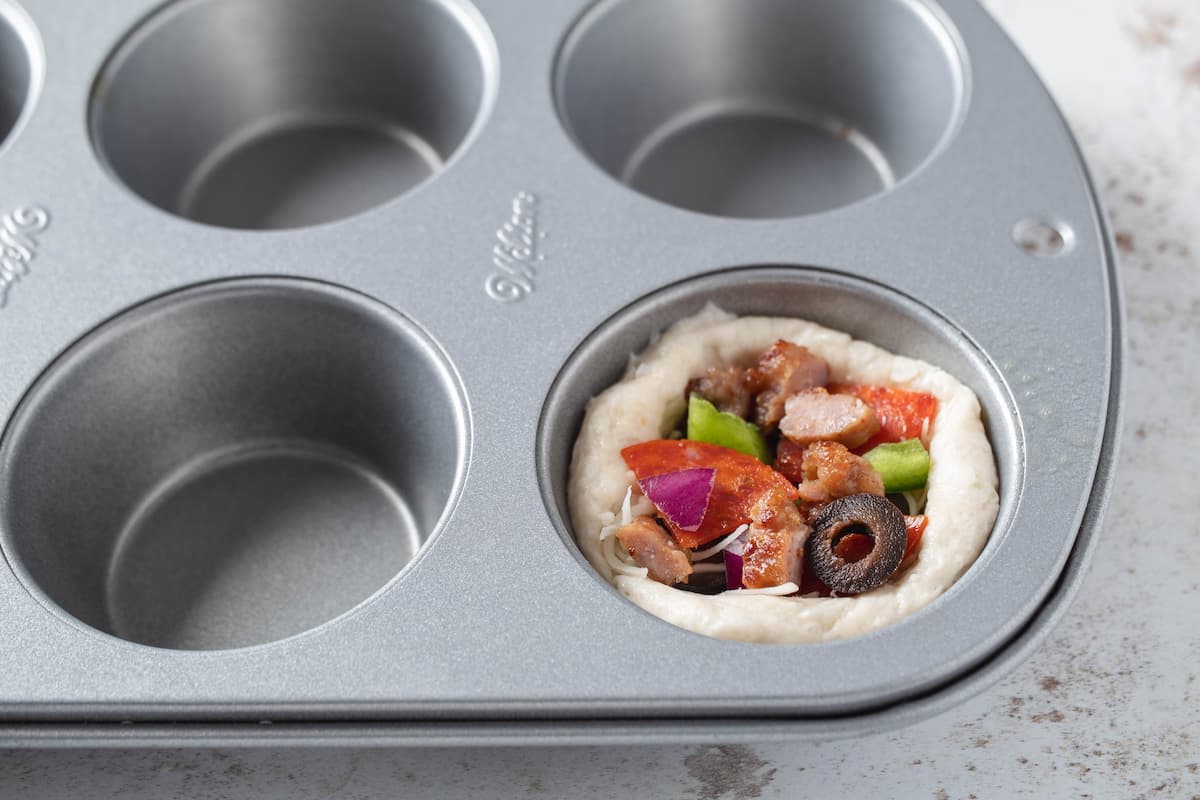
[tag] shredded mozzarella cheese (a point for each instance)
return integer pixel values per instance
(915, 500)
(727, 540)
(781, 589)
(617, 559)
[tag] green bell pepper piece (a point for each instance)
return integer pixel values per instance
(705, 423)
(904, 466)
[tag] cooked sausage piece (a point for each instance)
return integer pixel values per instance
(652, 548)
(726, 388)
(789, 460)
(816, 415)
(831, 471)
(774, 549)
(784, 369)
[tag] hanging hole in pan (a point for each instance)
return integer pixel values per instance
(288, 113)
(769, 109)
(1042, 238)
(231, 464)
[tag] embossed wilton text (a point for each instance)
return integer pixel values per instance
(18, 245)
(516, 252)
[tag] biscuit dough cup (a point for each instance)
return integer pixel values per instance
(645, 405)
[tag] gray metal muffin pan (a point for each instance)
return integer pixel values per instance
(302, 303)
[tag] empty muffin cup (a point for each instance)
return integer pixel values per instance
(231, 464)
(18, 67)
(768, 109)
(288, 113)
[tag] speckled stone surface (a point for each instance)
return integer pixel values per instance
(1108, 708)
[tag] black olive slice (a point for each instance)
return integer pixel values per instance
(865, 514)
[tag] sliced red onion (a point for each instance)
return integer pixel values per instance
(733, 559)
(682, 496)
(733, 569)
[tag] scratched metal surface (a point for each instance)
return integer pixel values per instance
(1104, 709)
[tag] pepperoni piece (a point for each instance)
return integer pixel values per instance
(902, 414)
(854, 547)
(740, 481)
(914, 526)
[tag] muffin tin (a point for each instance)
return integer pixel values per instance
(303, 301)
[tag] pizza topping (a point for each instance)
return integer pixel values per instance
(784, 369)
(652, 548)
(729, 542)
(789, 459)
(904, 466)
(902, 414)
(830, 471)
(774, 546)
(733, 567)
(739, 481)
(816, 415)
(681, 496)
(856, 546)
(865, 515)
(705, 423)
(782, 590)
(915, 527)
(722, 508)
(910, 502)
(726, 388)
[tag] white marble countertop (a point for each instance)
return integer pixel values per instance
(1108, 708)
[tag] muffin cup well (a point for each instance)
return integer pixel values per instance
(281, 114)
(20, 67)
(769, 109)
(231, 464)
